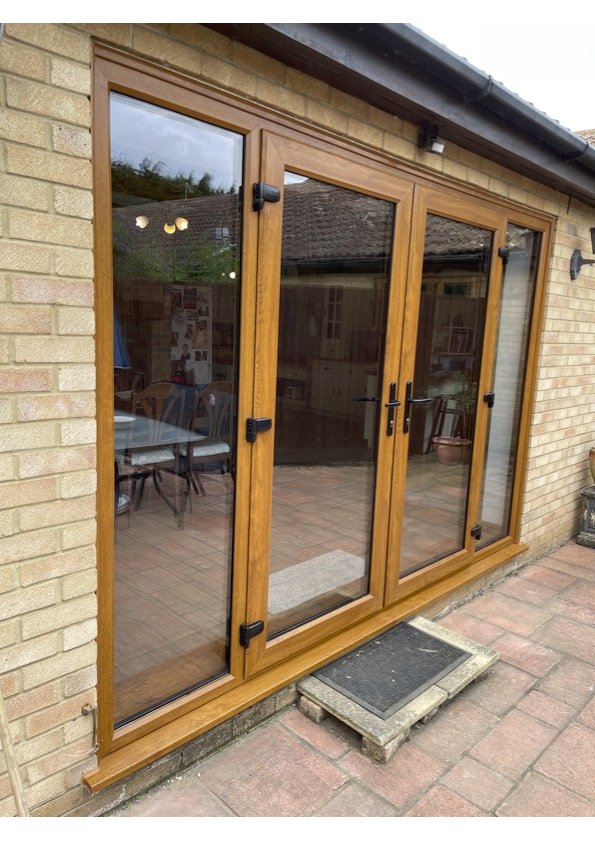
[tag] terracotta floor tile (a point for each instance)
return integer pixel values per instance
(477, 783)
(514, 744)
(570, 760)
(540, 797)
(439, 802)
(269, 773)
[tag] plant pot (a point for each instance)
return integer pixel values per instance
(451, 450)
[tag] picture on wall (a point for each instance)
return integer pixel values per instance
(191, 335)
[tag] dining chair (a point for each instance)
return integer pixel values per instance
(213, 424)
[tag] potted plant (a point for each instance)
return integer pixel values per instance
(454, 448)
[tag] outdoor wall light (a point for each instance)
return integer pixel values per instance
(429, 141)
(577, 261)
(142, 221)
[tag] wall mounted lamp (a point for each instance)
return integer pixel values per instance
(577, 260)
(429, 141)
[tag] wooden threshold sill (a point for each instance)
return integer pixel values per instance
(132, 757)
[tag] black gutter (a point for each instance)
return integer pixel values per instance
(399, 69)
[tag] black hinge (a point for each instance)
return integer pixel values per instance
(476, 532)
(252, 629)
(262, 192)
(256, 425)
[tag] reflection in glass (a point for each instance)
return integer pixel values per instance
(176, 246)
(447, 365)
(516, 304)
(334, 289)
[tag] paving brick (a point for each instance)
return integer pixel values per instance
(269, 773)
(526, 655)
(454, 729)
(570, 760)
(439, 802)
(355, 801)
(514, 744)
(545, 708)
(564, 635)
(507, 613)
(477, 783)
(409, 773)
(476, 629)
(571, 682)
(503, 687)
(184, 795)
(331, 737)
(539, 797)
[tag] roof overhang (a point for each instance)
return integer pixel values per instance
(400, 70)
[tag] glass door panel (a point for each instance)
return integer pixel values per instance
(176, 247)
(441, 399)
(510, 360)
(335, 274)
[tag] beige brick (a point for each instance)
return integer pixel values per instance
(56, 406)
(74, 612)
(51, 290)
(54, 349)
(7, 467)
(24, 128)
(202, 38)
(226, 75)
(7, 579)
(76, 378)
(55, 38)
(80, 534)
(70, 75)
(75, 635)
(26, 703)
(398, 146)
(79, 584)
(349, 104)
(23, 546)
(25, 653)
(22, 61)
(77, 321)
(36, 98)
(6, 410)
(58, 666)
(306, 85)
(72, 202)
(8, 525)
(78, 484)
(5, 348)
(48, 166)
(56, 513)
(15, 494)
(24, 319)
(78, 432)
(49, 228)
(85, 679)
(26, 436)
(27, 599)
(30, 749)
(365, 133)
(281, 97)
(70, 140)
(114, 33)
(46, 790)
(25, 379)
(63, 460)
(23, 192)
(326, 117)
(163, 48)
(58, 565)
(258, 63)
(59, 761)
(9, 633)
(24, 257)
(72, 262)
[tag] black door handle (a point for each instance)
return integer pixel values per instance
(366, 399)
(391, 406)
(412, 401)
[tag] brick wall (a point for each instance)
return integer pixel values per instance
(47, 375)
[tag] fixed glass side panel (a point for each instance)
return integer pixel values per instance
(510, 362)
(440, 403)
(335, 273)
(176, 251)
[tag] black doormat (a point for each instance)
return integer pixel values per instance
(386, 673)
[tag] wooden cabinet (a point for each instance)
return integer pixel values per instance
(336, 384)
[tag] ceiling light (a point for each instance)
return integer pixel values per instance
(142, 221)
(169, 229)
(181, 223)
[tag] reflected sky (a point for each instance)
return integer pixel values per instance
(181, 144)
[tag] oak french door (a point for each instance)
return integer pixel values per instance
(328, 325)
